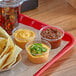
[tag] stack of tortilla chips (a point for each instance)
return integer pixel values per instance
(9, 52)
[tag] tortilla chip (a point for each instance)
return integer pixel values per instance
(3, 59)
(12, 58)
(3, 42)
(14, 62)
(3, 33)
(8, 47)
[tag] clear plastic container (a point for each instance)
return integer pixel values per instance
(9, 14)
(38, 58)
(20, 38)
(55, 43)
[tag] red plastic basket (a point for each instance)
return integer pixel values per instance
(38, 25)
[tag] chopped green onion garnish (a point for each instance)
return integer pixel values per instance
(37, 48)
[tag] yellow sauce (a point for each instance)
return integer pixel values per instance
(22, 36)
(38, 58)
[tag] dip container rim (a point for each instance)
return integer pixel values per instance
(38, 41)
(19, 39)
(55, 27)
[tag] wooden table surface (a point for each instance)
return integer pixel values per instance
(58, 13)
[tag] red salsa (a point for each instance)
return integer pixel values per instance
(9, 17)
(53, 36)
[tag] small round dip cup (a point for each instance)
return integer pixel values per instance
(38, 58)
(21, 37)
(51, 36)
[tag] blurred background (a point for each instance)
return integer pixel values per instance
(53, 12)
